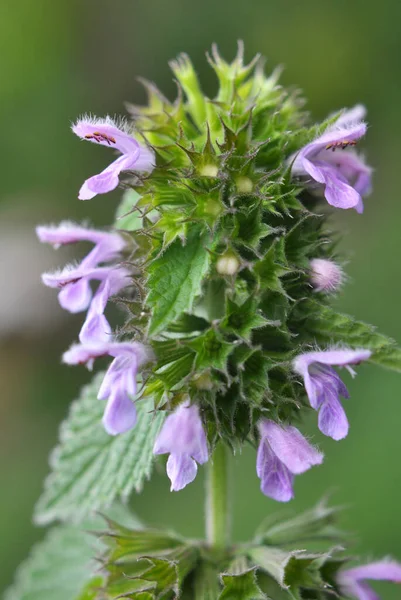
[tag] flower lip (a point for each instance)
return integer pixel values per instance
(183, 437)
(324, 386)
(352, 581)
(282, 453)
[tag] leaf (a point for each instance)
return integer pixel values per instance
(241, 587)
(89, 468)
(59, 566)
(272, 560)
(91, 590)
(206, 583)
(126, 217)
(175, 279)
(317, 523)
(291, 569)
(326, 326)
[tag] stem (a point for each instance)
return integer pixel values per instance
(218, 505)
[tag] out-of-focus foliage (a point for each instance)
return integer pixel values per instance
(59, 59)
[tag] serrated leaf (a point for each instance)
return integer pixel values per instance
(175, 279)
(126, 217)
(90, 468)
(58, 567)
(326, 326)
(317, 523)
(241, 587)
(272, 560)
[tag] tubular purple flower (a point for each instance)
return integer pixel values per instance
(352, 581)
(183, 437)
(329, 161)
(324, 386)
(74, 281)
(119, 385)
(106, 133)
(96, 328)
(283, 452)
(325, 275)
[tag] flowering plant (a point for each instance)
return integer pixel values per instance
(223, 265)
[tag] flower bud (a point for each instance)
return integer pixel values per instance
(325, 275)
(227, 264)
(209, 170)
(244, 185)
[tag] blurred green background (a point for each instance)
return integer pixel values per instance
(61, 59)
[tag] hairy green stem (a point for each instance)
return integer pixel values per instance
(218, 504)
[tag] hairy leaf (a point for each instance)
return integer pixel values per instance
(58, 567)
(326, 326)
(90, 468)
(241, 587)
(175, 279)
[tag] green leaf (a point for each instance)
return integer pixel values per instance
(317, 523)
(91, 590)
(272, 560)
(59, 566)
(90, 468)
(241, 587)
(175, 279)
(326, 326)
(206, 582)
(126, 217)
(291, 569)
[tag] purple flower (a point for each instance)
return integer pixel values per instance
(325, 275)
(283, 452)
(324, 386)
(329, 161)
(74, 281)
(96, 328)
(119, 385)
(352, 581)
(107, 133)
(183, 437)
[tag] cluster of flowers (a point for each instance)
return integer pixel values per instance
(283, 450)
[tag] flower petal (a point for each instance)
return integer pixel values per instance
(120, 413)
(332, 419)
(276, 479)
(290, 447)
(106, 133)
(181, 470)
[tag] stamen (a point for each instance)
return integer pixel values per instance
(100, 137)
(343, 144)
